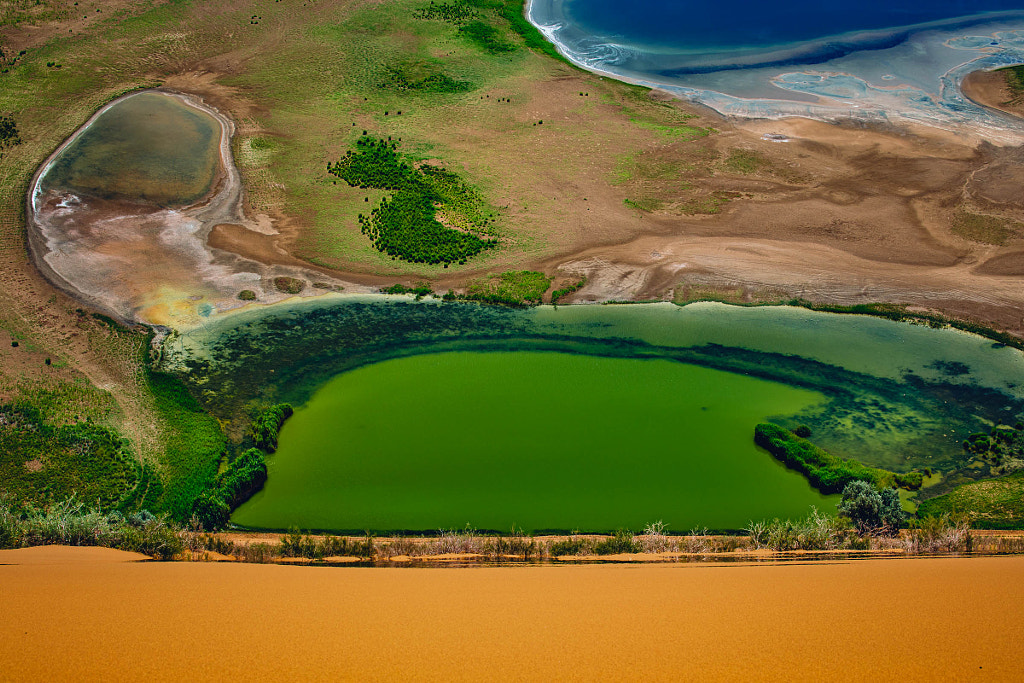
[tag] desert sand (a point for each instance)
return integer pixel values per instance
(920, 619)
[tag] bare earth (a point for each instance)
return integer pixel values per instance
(988, 88)
(909, 619)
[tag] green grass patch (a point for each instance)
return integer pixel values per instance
(678, 130)
(41, 463)
(405, 224)
(990, 504)
(193, 444)
(746, 161)
(516, 288)
(646, 204)
(568, 289)
(985, 229)
(424, 77)
(487, 37)
(1014, 80)
(824, 471)
(450, 12)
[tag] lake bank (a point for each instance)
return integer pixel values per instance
(545, 622)
(130, 236)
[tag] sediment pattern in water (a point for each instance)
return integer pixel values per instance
(850, 69)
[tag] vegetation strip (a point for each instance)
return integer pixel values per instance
(824, 471)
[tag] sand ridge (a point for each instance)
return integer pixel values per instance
(917, 619)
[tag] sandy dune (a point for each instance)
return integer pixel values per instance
(909, 619)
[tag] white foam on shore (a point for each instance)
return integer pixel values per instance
(917, 80)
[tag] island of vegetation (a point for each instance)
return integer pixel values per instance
(824, 471)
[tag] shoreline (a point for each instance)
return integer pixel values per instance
(811, 104)
(221, 206)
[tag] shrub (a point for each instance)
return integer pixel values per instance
(568, 289)
(244, 476)
(862, 505)
(570, 546)
(620, 543)
(211, 510)
(514, 288)
(891, 513)
(266, 426)
(70, 522)
(814, 532)
(945, 533)
(289, 285)
(247, 295)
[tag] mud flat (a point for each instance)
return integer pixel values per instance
(121, 215)
(909, 619)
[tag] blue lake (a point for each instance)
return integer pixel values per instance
(871, 60)
(750, 24)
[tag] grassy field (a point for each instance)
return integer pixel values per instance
(991, 504)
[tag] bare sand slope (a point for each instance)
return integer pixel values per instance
(908, 619)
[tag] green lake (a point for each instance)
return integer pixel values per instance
(531, 440)
(151, 147)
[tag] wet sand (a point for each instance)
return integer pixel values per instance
(908, 619)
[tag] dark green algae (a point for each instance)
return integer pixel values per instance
(895, 410)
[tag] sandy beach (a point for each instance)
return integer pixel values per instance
(111, 618)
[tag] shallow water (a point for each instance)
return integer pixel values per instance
(533, 441)
(148, 147)
(123, 211)
(879, 61)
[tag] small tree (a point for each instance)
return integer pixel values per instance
(211, 511)
(892, 514)
(862, 504)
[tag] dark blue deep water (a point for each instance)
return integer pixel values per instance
(703, 25)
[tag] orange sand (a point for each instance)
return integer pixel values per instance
(911, 619)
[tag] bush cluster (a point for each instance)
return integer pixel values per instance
(871, 510)
(399, 288)
(824, 471)
(405, 225)
(568, 289)
(620, 543)
(9, 135)
(289, 285)
(245, 474)
(486, 37)
(400, 79)
(266, 425)
(1002, 447)
(814, 532)
(513, 288)
(41, 462)
(450, 12)
(70, 522)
